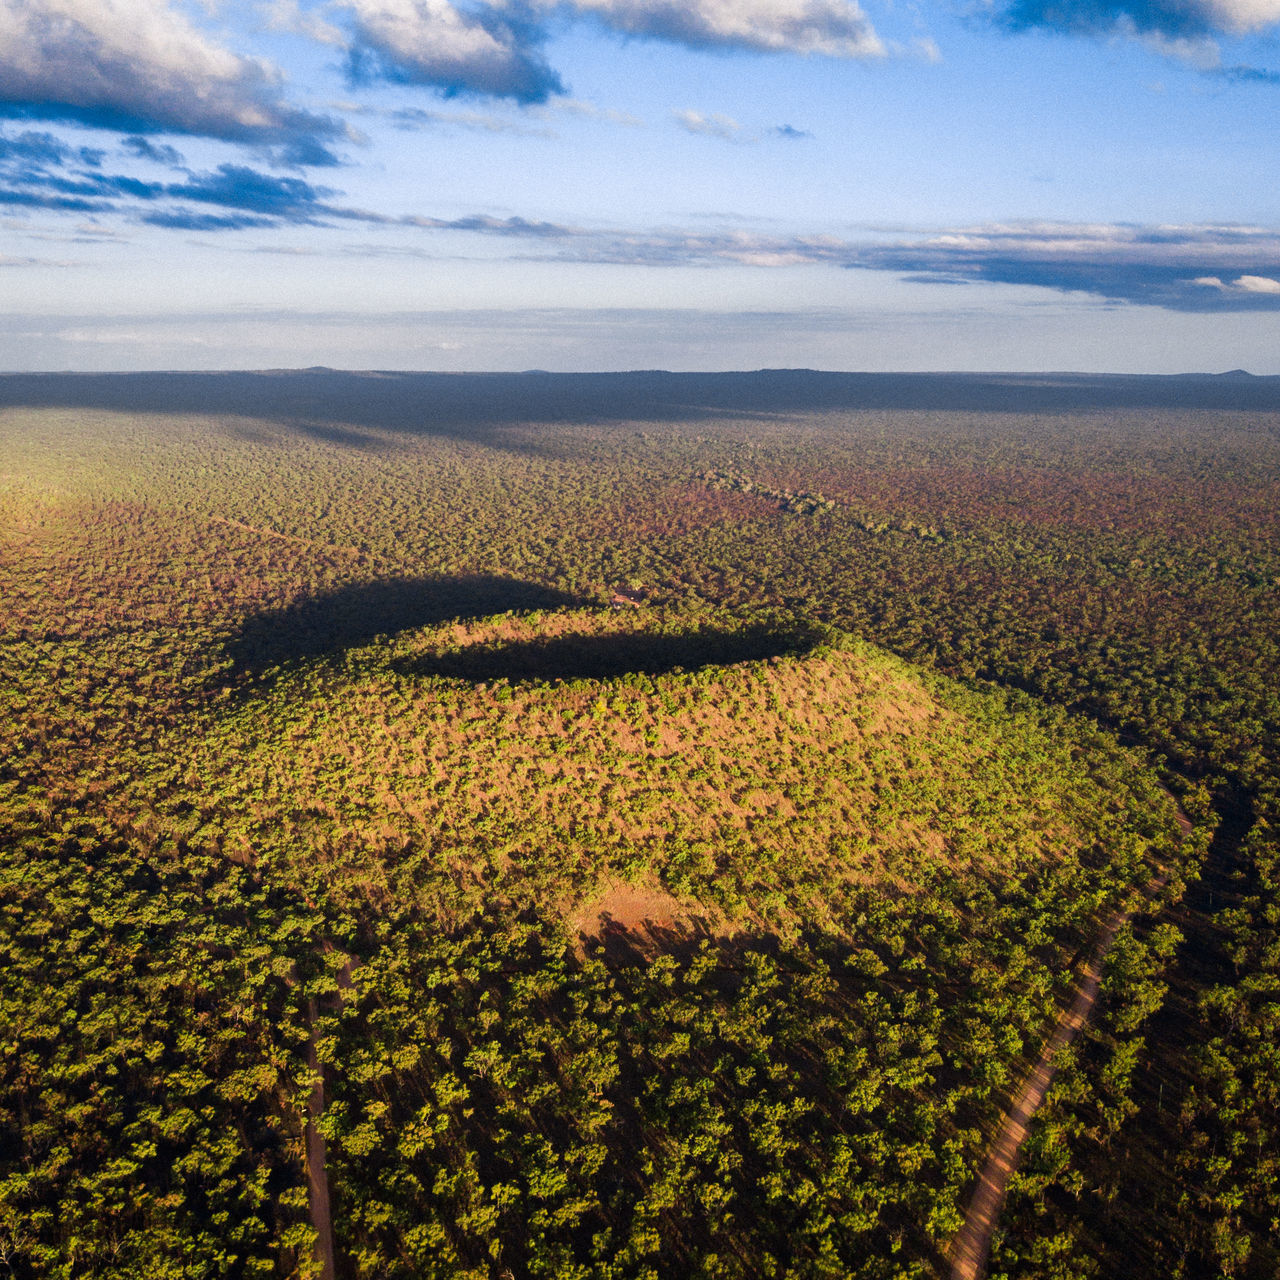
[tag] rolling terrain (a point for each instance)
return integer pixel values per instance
(645, 825)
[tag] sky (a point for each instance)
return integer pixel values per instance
(1020, 185)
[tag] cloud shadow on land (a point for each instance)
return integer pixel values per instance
(325, 626)
(602, 657)
(360, 410)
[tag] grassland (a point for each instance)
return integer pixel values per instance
(500, 754)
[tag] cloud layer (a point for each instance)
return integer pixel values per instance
(1178, 268)
(496, 48)
(41, 171)
(142, 67)
(1196, 268)
(1163, 266)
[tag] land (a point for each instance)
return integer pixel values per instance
(639, 825)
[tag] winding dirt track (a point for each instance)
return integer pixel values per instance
(263, 532)
(317, 1176)
(318, 1205)
(972, 1244)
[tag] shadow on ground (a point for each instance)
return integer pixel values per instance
(601, 657)
(351, 408)
(327, 625)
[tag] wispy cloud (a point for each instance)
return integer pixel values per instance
(1150, 265)
(8, 260)
(590, 111)
(711, 126)
(727, 129)
(484, 224)
(419, 118)
(515, 121)
(142, 67)
(1203, 267)
(37, 200)
(82, 233)
(1162, 266)
(185, 220)
(1241, 74)
(158, 153)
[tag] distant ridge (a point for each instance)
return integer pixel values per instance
(329, 400)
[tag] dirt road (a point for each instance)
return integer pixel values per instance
(317, 1176)
(970, 1248)
(972, 1245)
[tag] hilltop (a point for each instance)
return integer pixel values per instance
(764, 774)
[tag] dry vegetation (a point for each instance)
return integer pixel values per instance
(776, 787)
(688, 938)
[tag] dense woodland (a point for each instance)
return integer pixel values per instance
(644, 826)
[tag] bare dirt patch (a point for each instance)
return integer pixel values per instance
(643, 917)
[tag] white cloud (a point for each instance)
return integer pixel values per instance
(432, 42)
(834, 28)
(7, 260)
(142, 65)
(711, 126)
(420, 118)
(285, 15)
(1258, 284)
(1181, 29)
(1241, 284)
(1238, 16)
(1200, 52)
(495, 47)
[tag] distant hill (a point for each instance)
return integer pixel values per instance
(462, 404)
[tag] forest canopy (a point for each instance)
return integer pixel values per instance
(634, 827)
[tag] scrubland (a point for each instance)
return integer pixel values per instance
(668, 834)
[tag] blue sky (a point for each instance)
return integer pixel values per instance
(607, 184)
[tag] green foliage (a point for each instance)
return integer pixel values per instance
(279, 772)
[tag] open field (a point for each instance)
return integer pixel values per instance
(638, 825)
